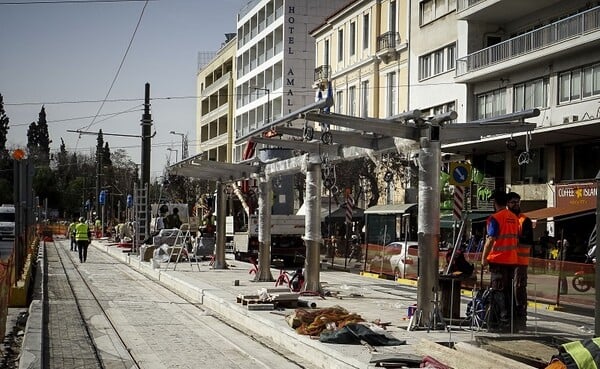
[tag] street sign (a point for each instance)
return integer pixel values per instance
(460, 174)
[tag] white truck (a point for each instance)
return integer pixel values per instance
(7, 221)
(286, 238)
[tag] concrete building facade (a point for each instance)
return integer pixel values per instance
(214, 113)
(275, 62)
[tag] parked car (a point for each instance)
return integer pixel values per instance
(406, 263)
(390, 260)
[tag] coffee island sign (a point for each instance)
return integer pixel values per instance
(580, 195)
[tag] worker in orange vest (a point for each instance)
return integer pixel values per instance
(500, 254)
(523, 253)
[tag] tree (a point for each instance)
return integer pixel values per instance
(3, 129)
(38, 140)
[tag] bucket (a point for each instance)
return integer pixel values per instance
(411, 310)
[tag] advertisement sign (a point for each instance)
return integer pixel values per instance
(578, 195)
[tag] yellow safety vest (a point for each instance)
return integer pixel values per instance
(584, 354)
(81, 232)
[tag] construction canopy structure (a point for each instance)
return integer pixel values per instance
(406, 133)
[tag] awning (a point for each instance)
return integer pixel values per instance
(447, 220)
(340, 213)
(559, 212)
(389, 209)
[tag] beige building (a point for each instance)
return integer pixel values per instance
(214, 115)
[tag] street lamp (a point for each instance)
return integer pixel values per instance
(170, 149)
(182, 142)
(268, 119)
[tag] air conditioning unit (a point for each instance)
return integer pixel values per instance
(570, 118)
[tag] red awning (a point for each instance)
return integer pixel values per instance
(558, 212)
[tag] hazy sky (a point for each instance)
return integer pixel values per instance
(61, 54)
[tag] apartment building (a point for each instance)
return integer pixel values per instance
(274, 62)
(517, 55)
(434, 43)
(214, 113)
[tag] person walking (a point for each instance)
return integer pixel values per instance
(172, 220)
(500, 254)
(83, 234)
(71, 234)
(523, 252)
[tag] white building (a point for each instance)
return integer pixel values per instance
(275, 62)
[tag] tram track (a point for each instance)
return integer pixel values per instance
(260, 351)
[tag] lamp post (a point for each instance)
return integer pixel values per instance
(182, 143)
(268, 119)
(171, 149)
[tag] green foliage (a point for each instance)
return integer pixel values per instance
(38, 140)
(3, 130)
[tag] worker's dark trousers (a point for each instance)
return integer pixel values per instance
(83, 246)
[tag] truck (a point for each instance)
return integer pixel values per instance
(7, 221)
(287, 243)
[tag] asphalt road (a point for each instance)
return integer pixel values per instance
(6, 246)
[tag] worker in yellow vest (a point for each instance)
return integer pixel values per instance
(583, 354)
(71, 234)
(83, 235)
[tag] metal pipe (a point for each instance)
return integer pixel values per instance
(220, 262)
(240, 196)
(312, 236)
(264, 230)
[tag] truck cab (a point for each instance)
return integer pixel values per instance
(7, 221)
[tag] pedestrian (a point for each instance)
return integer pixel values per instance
(545, 245)
(523, 252)
(83, 235)
(500, 254)
(71, 234)
(172, 220)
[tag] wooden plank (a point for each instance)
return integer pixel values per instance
(529, 350)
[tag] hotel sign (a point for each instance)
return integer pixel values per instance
(576, 195)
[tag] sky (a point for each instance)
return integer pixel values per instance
(65, 55)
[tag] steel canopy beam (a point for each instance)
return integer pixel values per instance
(345, 138)
(461, 132)
(384, 127)
(312, 147)
(206, 169)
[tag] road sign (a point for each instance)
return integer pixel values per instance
(459, 202)
(460, 174)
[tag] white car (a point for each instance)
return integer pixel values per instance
(405, 264)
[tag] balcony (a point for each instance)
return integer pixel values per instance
(498, 11)
(322, 74)
(580, 30)
(387, 46)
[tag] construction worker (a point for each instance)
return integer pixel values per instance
(523, 252)
(500, 253)
(83, 235)
(583, 354)
(71, 234)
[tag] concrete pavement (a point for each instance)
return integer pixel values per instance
(373, 299)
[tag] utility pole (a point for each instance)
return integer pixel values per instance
(145, 164)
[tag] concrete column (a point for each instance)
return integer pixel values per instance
(220, 262)
(429, 224)
(312, 236)
(264, 230)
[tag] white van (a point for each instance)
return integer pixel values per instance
(7, 221)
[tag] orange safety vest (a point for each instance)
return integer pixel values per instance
(504, 249)
(523, 249)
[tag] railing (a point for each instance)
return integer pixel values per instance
(387, 40)
(465, 4)
(552, 34)
(322, 72)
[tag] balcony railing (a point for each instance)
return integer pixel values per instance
(387, 40)
(552, 34)
(465, 4)
(322, 73)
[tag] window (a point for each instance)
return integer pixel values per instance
(352, 38)
(491, 104)
(326, 53)
(364, 108)
(439, 109)
(339, 102)
(579, 83)
(430, 10)
(580, 161)
(392, 16)
(437, 62)
(366, 33)
(532, 94)
(391, 94)
(340, 45)
(352, 101)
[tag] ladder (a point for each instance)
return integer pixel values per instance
(182, 239)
